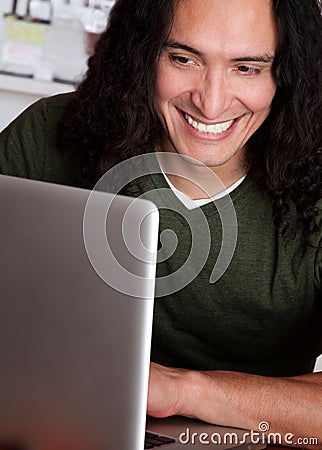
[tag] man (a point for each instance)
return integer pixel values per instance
(233, 84)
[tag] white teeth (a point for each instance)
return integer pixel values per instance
(201, 127)
(214, 129)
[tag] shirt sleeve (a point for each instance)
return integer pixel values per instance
(23, 143)
(30, 148)
(316, 241)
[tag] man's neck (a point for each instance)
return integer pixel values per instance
(199, 181)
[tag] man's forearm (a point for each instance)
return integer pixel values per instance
(288, 405)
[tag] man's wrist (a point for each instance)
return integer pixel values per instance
(191, 393)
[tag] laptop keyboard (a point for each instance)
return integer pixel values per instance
(153, 440)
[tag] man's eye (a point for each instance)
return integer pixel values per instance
(248, 70)
(181, 59)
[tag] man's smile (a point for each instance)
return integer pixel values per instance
(215, 128)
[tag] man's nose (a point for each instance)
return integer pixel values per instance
(212, 95)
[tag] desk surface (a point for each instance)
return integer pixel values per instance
(31, 86)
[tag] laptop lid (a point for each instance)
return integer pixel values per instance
(74, 351)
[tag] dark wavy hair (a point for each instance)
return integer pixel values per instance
(111, 117)
(286, 152)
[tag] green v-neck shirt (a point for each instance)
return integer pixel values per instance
(262, 316)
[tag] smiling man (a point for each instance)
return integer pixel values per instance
(234, 85)
(214, 83)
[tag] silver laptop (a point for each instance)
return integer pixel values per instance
(77, 275)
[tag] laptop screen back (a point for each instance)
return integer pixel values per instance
(74, 351)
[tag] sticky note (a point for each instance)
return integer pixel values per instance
(20, 31)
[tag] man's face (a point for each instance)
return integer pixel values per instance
(214, 83)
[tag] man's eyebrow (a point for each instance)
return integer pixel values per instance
(179, 46)
(266, 58)
(260, 58)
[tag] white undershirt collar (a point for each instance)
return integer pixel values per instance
(192, 204)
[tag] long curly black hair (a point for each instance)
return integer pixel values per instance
(111, 117)
(286, 152)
